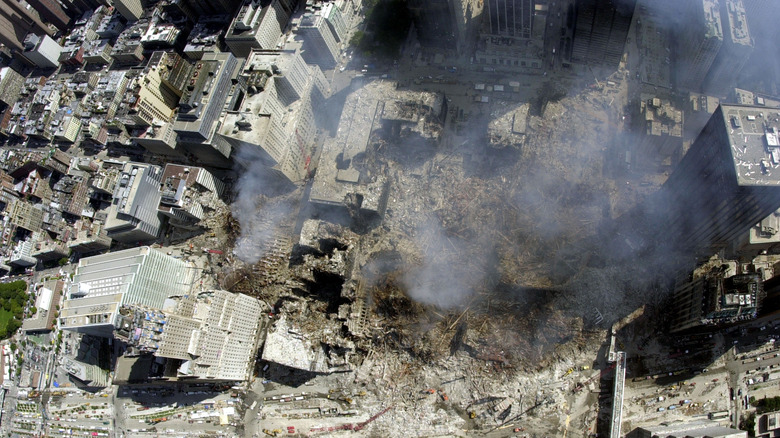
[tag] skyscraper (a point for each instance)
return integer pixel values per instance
(716, 298)
(16, 21)
(258, 25)
(209, 336)
(600, 31)
(52, 12)
(510, 17)
(727, 182)
(42, 51)
(131, 10)
(133, 216)
(700, 43)
(735, 51)
(104, 283)
(320, 45)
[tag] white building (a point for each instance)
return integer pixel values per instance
(279, 122)
(256, 27)
(42, 51)
(103, 283)
(212, 335)
(133, 216)
(320, 45)
(68, 129)
(22, 254)
(335, 20)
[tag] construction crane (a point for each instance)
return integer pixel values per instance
(581, 385)
(351, 426)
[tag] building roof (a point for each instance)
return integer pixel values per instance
(737, 21)
(754, 137)
(48, 297)
(102, 283)
(712, 19)
(215, 333)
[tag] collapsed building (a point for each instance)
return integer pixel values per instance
(716, 296)
(381, 113)
(509, 130)
(186, 193)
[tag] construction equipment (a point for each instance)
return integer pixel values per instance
(362, 425)
(581, 385)
(351, 426)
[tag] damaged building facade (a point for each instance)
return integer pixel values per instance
(716, 297)
(344, 179)
(276, 118)
(211, 335)
(103, 283)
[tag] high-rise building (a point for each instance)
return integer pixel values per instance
(512, 18)
(277, 119)
(600, 31)
(52, 12)
(762, 237)
(202, 104)
(256, 26)
(726, 183)
(434, 22)
(42, 51)
(205, 35)
(104, 283)
(131, 10)
(16, 21)
(174, 71)
(186, 193)
(11, 84)
(156, 98)
(336, 21)
(210, 336)
(700, 42)
(79, 7)
(133, 216)
(716, 297)
(735, 51)
(320, 45)
(158, 138)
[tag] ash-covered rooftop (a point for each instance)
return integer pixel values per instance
(754, 136)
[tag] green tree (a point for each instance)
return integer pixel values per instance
(749, 424)
(63, 261)
(357, 38)
(13, 346)
(33, 310)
